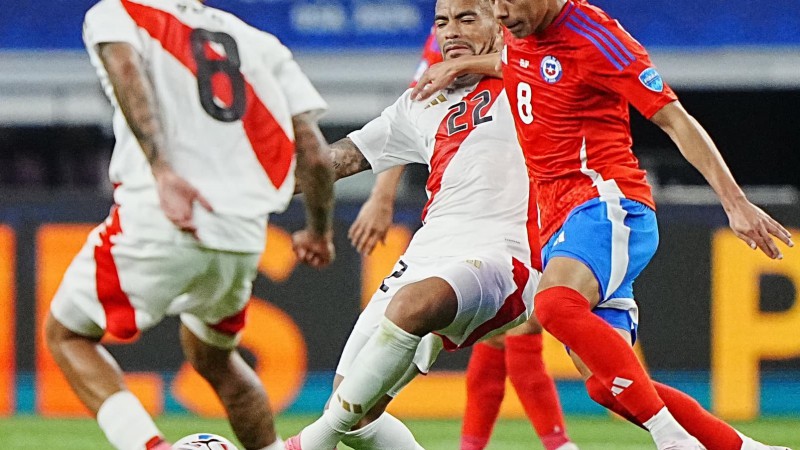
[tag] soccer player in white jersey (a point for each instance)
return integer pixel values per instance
(471, 269)
(209, 115)
(515, 355)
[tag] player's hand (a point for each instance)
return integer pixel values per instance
(371, 225)
(177, 199)
(756, 228)
(313, 249)
(436, 78)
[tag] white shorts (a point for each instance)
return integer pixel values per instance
(121, 286)
(494, 290)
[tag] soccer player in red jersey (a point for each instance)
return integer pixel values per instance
(517, 354)
(570, 72)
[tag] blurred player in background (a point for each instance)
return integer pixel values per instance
(516, 355)
(468, 272)
(571, 71)
(208, 115)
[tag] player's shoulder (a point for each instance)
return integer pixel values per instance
(406, 103)
(268, 42)
(103, 8)
(600, 38)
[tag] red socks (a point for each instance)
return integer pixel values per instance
(486, 378)
(565, 313)
(603, 396)
(486, 385)
(535, 389)
(712, 432)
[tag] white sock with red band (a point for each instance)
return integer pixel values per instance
(125, 422)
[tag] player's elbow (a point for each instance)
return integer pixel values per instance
(314, 166)
(672, 118)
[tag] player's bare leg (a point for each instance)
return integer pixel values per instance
(238, 388)
(712, 432)
(97, 380)
(415, 310)
(567, 293)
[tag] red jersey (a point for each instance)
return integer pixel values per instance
(569, 88)
(431, 54)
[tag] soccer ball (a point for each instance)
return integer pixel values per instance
(203, 441)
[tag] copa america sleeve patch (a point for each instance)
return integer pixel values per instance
(651, 79)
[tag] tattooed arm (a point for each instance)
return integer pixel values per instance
(314, 173)
(315, 177)
(135, 96)
(347, 158)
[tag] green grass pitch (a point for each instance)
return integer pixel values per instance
(590, 433)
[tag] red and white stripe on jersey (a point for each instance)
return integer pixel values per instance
(448, 144)
(273, 148)
(480, 195)
(226, 94)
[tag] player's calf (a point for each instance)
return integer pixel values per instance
(239, 389)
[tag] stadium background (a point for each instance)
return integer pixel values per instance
(720, 321)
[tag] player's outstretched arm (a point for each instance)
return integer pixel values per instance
(136, 98)
(375, 217)
(314, 245)
(443, 74)
(748, 221)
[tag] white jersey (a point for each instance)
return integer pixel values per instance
(227, 93)
(479, 193)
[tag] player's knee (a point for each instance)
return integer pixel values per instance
(418, 313)
(408, 312)
(532, 326)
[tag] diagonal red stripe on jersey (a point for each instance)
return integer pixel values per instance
(166, 29)
(512, 307)
(273, 148)
(120, 315)
(447, 145)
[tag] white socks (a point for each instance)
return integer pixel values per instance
(125, 422)
(665, 429)
(379, 365)
(386, 433)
